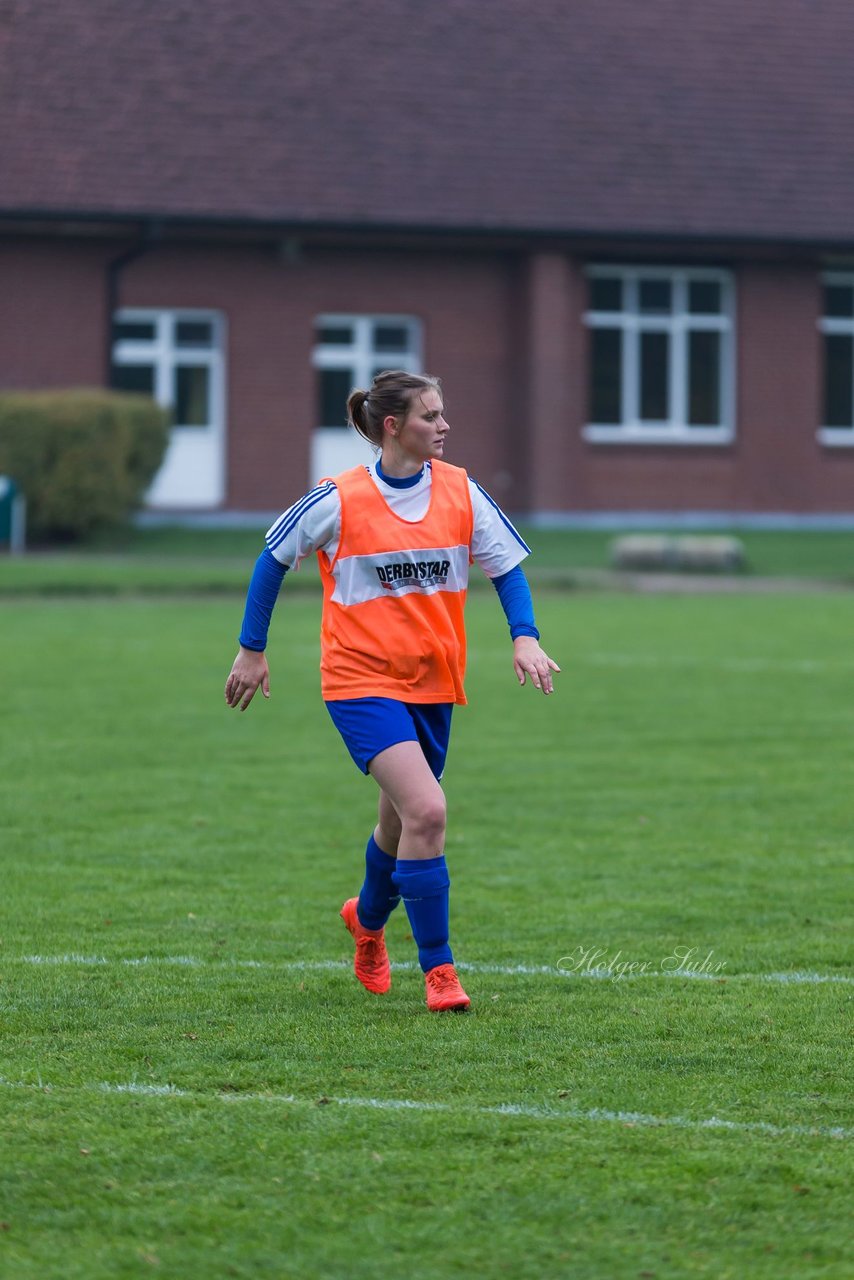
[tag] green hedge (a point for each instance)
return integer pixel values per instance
(83, 458)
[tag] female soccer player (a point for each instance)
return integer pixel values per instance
(394, 542)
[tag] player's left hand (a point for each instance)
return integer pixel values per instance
(529, 659)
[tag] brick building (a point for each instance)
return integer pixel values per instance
(623, 235)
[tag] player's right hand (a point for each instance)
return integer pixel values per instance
(249, 673)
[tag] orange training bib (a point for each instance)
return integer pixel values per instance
(394, 593)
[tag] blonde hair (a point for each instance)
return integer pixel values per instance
(390, 395)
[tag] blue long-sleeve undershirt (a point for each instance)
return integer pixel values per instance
(268, 574)
(263, 593)
(515, 596)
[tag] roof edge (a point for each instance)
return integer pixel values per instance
(282, 227)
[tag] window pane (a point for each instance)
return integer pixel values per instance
(339, 335)
(704, 297)
(839, 300)
(193, 333)
(191, 395)
(391, 337)
(654, 365)
(606, 347)
(654, 297)
(133, 377)
(377, 369)
(606, 294)
(704, 379)
(333, 388)
(838, 380)
(133, 331)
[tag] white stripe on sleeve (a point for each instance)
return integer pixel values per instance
(495, 545)
(312, 524)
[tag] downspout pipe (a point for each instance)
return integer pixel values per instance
(149, 236)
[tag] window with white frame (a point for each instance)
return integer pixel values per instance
(350, 350)
(174, 356)
(661, 362)
(178, 357)
(837, 327)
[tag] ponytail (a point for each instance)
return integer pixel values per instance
(357, 414)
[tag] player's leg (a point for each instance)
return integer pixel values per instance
(407, 781)
(430, 726)
(388, 828)
(414, 795)
(367, 726)
(378, 895)
(404, 748)
(366, 915)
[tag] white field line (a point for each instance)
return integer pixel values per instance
(532, 1111)
(602, 973)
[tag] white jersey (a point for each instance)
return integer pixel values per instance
(314, 523)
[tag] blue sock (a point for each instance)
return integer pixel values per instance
(424, 885)
(378, 896)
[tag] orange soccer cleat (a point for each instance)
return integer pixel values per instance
(370, 964)
(444, 990)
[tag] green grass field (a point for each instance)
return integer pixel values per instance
(192, 1082)
(174, 560)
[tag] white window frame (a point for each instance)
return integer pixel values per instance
(360, 354)
(678, 324)
(336, 447)
(193, 472)
(163, 352)
(836, 437)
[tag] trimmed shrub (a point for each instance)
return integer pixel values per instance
(83, 458)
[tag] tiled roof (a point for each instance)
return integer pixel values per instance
(688, 117)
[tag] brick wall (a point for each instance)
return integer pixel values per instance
(52, 303)
(505, 334)
(271, 303)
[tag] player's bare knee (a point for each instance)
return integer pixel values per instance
(426, 819)
(391, 828)
(388, 835)
(389, 825)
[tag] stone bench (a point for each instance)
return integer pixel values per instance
(703, 553)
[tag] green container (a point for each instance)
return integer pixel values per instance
(11, 515)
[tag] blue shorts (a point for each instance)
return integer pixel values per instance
(369, 725)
